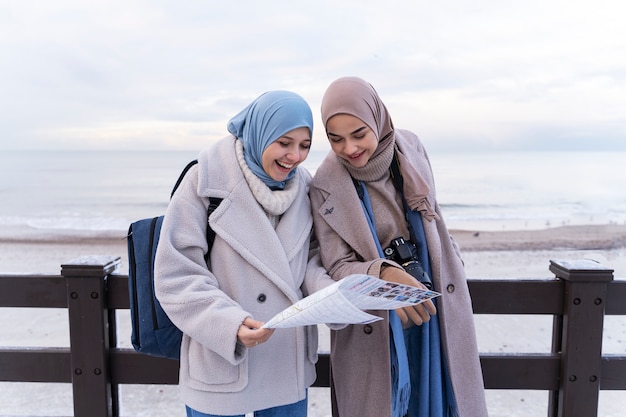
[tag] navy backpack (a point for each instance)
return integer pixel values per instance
(152, 331)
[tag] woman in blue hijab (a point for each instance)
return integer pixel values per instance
(259, 264)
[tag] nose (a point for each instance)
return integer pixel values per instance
(349, 147)
(294, 154)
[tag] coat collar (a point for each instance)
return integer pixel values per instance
(342, 208)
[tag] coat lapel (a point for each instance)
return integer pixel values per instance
(294, 229)
(241, 222)
(343, 212)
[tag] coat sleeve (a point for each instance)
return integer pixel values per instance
(187, 290)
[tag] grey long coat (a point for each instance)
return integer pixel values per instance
(360, 353)
(254, 271)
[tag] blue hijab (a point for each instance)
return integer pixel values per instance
(266, 119)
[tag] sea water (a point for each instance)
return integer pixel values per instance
(531, 190)
(48, 193)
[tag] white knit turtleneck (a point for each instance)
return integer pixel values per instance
(274, 202)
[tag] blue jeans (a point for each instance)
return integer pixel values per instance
(298, 409)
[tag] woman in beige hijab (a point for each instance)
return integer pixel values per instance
(375, 212)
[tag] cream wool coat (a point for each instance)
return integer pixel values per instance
(360, 353)
(254, 271)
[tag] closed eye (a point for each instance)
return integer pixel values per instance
(334, 138)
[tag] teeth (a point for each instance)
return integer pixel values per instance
(286, 166)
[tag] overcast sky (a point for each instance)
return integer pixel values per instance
(463, 75)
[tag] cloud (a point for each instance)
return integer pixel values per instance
(484, 75)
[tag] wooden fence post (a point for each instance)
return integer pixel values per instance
(579, 339)
(89, 334)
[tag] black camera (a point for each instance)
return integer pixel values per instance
(405, 254)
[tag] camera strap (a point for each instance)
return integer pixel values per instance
(413, 218)
(398, 182)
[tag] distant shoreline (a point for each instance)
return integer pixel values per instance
(582, 237)
(592, 237)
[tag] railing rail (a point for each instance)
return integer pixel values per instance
(578, 297)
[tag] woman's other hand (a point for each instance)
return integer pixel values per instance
(251, 334)
(416, 314)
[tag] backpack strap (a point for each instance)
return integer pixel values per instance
(213, 203)
(182, 175)
(210, 234)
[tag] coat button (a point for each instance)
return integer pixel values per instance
(450, 288)
(261, 298)
(367, 329)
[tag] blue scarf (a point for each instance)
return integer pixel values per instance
(431, 393)
(263, 121)
(400, 377)
(420, 381)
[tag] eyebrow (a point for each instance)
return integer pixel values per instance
(290, 138)
(351, 133)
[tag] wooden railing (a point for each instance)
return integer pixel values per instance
(578, 297)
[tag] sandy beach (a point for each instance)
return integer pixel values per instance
(502, 254)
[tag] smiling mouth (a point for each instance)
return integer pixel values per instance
(285, 166)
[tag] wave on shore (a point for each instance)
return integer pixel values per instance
(591, 237)
(29, 234)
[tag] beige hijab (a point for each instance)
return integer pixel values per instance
(356, 97)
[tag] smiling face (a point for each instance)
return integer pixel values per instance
(351, 139)
(287, 152)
